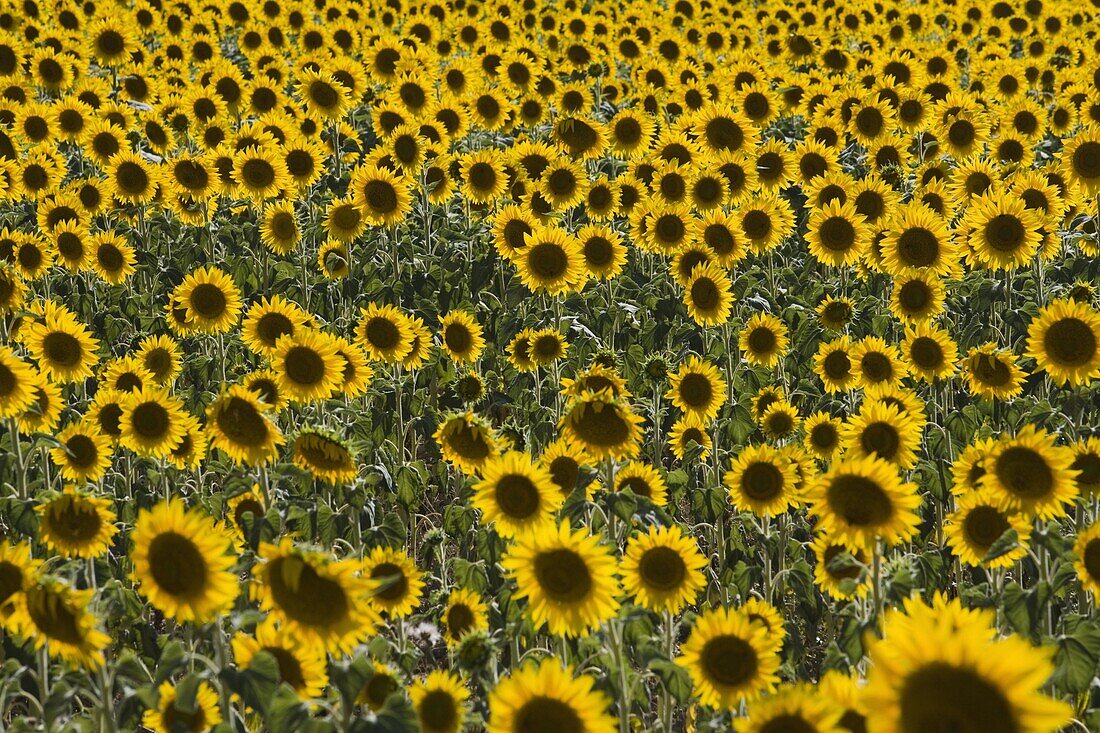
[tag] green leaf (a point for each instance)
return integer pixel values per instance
(1006, 543)
(1077, 659)
(675, 678)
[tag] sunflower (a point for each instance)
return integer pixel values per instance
(992, 372)
(439, 701)
(822, 434)
(211, 299)
(547, 346)
(838, 234)
(58, 618)
(686, 430)
(1081, 159)
(603, 250)
(166, 717)
(567, 577)
(979, 522)
(461, 336)
(465, 612)
(547, 694)
(877, 362)
(314, 598)
(793, 707)
(12, 289)
(17, 380)
(385, 333)
(780, 419)
(761, 480)
(420, 344)
(83, 454)
(516, 495)
(1029, 473)
(467, 441)
(860, 500)
(707, 297)
(882, 430)
(729, 659)
(259, 174)
(564, 462)
(44, 412)
(300, 665)
(662, 569)
(763, 340)
(238, 423)
(918, 241)
(151, 423)
(132, 178)
(355, 374)
(1086, 462)
(396, 584)
(63, 347)
(183, 563)
(929, 352)
(17, 572)
(1004, 233)
(596, 378)
(697, 388)
(603, 425)
(1065, 341)
(1087, 563)
(307, 365)
(75, 524)
(279, 229)
(941, 665)
(325, 457)
(551, 261)
(382, 197)
(840, 568)
(269, 320)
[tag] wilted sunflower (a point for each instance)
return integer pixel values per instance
(761, 480)
(300, 665)
(83, 454)
(859, 501)
(467, 441)
(465, 612)
(943, 665)
(1029, 473)
(183, 563)
(461, 336)
(603, 425)
(992, 372)
(385, 333)
(166, 717)
(516, 495)
(546, 694)
(325, 457)
(317, 599)
(978, 523)
(567, 577)
(395, 583)
(662, 569)
(729, 658)
(239, 424)
(57, 618)
(763, 340)
(211, 299)
(76, 524)
(1065, 341)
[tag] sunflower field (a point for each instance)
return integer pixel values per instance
(555, 366)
